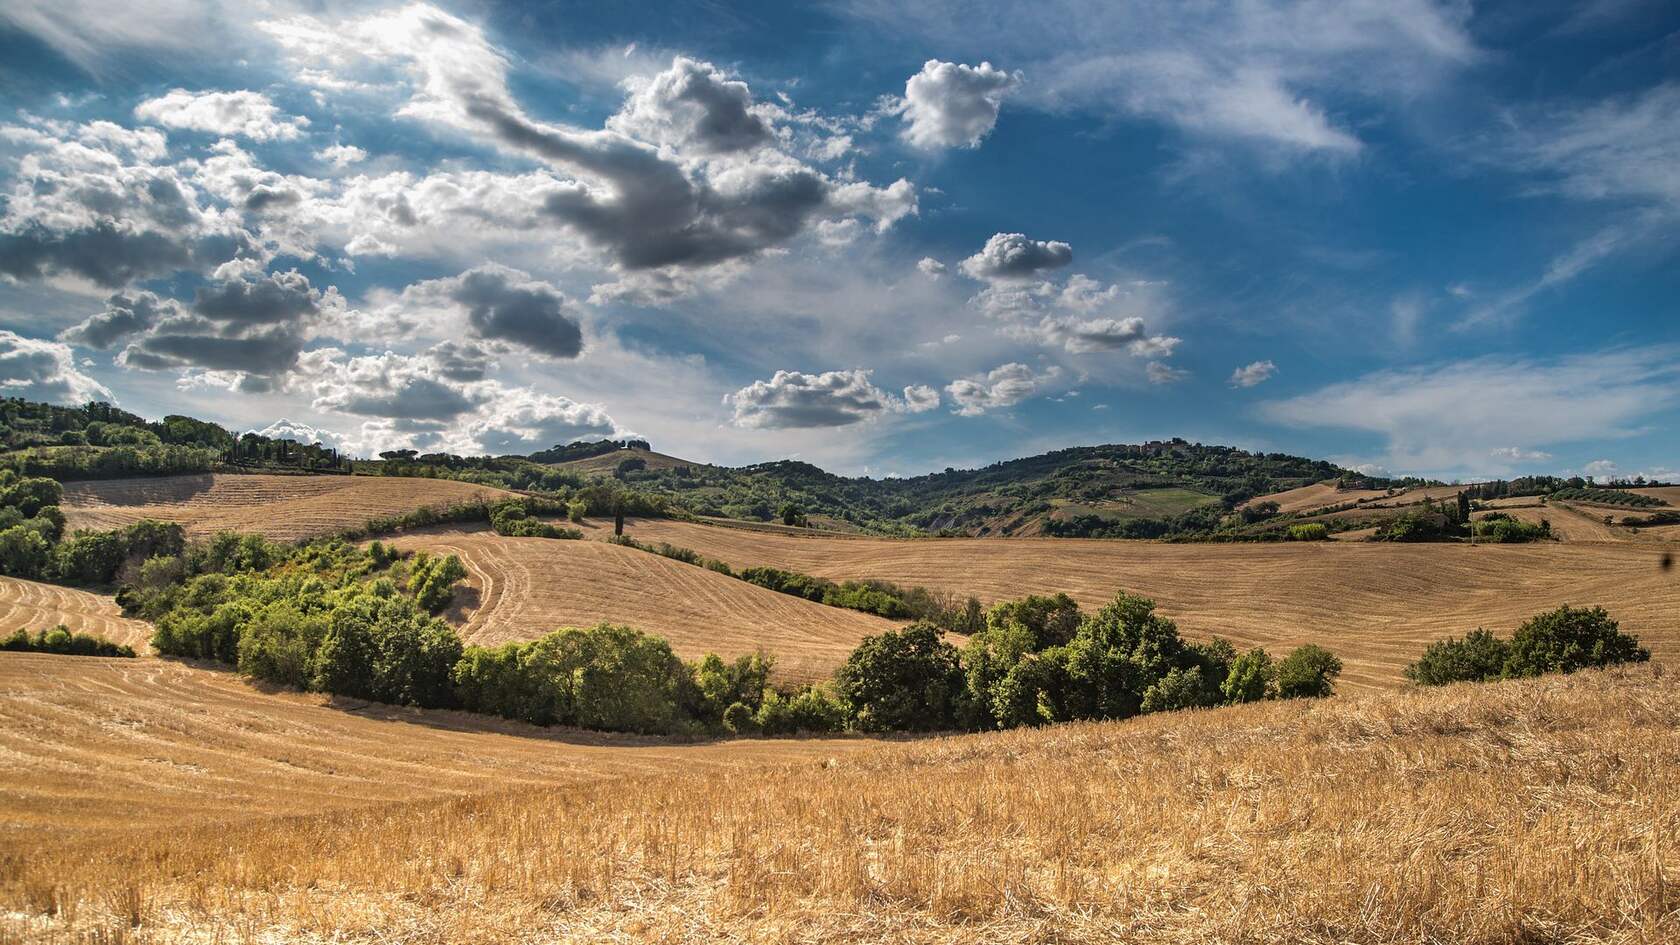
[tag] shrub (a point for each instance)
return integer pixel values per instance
(576, 510)
(62, 641)
(90, 557)
(1502, 529)
(1308, 672)
(1309, 531)
(812, 709)
(739, 719)
(279, 644)
(1251, 678)
(719, 686)
(378, 645)
(902, 680)
(1568, 639)
(1477, 657)
(432, 580)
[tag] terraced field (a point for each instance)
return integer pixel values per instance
(1376, 605)
(1316, 496)
(31, 605)
(522, 588)
(281, 507)
(100, 746)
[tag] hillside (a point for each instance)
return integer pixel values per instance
(1530, 811)
(32, 606)
(1117, 490)
(1376, 605)
(96, 747)
(522, 588)
(280, 507)
(606, 463)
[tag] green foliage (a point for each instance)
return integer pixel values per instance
(792, 514)
(1309, 672)
(1309, 531)
(1251, 678)
(379, 645)
(432, 580)
(903, 680)
(1501, 528)
(1617, 497)
(1568, 639)
(607, 677)
(576, 510)
(719, 687)
(1417, 526)
(62, 641)
(1478, 657)
(813, 709)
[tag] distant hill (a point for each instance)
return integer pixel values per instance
(608, 463)
(1117, 490)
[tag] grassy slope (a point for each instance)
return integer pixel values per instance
(1541, 810)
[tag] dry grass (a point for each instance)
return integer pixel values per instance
(280, 507)
(1377, 605)
(522, 588)
(97, 748)
(30, 605)
(1510, 814)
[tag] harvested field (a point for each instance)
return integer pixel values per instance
(1377, 605)
(1522, 812)
(1316, 496)
(522, 588)
(1569, 523)
(32, 606)
(99, 747)
(280, 507)
(607, 462)
(1669, 494)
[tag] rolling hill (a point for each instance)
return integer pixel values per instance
(157, 802)
(522, 588)
(1376, 605)
(281, 507)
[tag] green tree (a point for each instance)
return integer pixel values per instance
(1309, 671)
(1568, 639)
(1477, 657)
(903, 680)
(1251, 677)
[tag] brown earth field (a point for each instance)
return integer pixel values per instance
(1376, 605)
(1316, 496)
(280, 507)
(522, 588)
(32, 606)
(605, 463)
(152, 802)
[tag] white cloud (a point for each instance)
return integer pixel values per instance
(44, 370)
(950, 105)
(1002, 386)
(1252, 374)
(795, 400)
(1275, 73)
(284, 429)
(341, 155)
(1600, 468)
(930, 267)
(1013, 256)
(1516, 454)
(1160, 373)
(1440, 419)
(243, 113)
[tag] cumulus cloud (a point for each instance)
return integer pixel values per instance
(341, 155)
(1439, 419)
(1002, 386)
(1013, 256)
(950, 105)
(1516, 454)
(273, 298)
(1061, 315)
(691, 198)
(44, 370)
(930, 267)
(794, 400)
(1249, 375)
(1600, 468)
(693, 105)
(124, 315)
(93, 201)
(284, 429)
(490, 303)
(244, 113)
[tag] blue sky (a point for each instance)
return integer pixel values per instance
(1428, 238)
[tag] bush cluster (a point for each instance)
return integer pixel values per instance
(1040, 660)
(60, 640)
(33, 543)
(514, 518)
(1501, 528)
(1558, 641)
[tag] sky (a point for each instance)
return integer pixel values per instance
(1413, 237)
